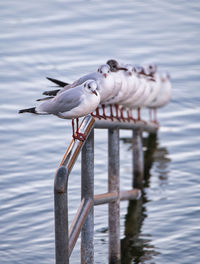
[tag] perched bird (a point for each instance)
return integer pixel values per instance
(154, 86)
(108, 79)
(123, 85)
(115, 66)
(138, 99)
(101, 76)
(120, 86)
(104, 81)
(150, 69)
(71, 104)
(164, 95)
(132, 91)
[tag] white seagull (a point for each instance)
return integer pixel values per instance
(70, 104)
(164, 95)
(109, 83)
(139, 95)
(132, 85)
(120, 86)
(104, 81)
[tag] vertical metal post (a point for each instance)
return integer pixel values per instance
(61, 216)
(138, 160)
(113, 186)
(87, 192)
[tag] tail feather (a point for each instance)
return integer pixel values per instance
(51, 93)
(45, 98)
(28, 110)
(59, 83)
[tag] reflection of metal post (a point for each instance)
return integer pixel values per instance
(87, 192)
(113, 186)
(61, 216)
(138, 160)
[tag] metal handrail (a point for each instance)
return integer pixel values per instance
(83, 220)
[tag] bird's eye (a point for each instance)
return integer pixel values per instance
(100, 71)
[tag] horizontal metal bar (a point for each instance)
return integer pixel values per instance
(113, 196)
(105, 198)
(133, 194)
(75, 146)
(86, 126)
(78, 222)
(85, 207)
(150, 127)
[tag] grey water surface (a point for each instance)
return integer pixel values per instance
(64, 40)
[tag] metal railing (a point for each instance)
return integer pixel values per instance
(65, 238)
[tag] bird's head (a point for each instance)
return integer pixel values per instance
(152, 68)
(114, 66)
(165, 77)
(130, 69)
(139, 69)
(91, 87)
(104, 70)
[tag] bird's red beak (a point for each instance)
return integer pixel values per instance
(105, 75)
(95, 92)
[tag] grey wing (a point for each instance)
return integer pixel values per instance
(67, 100)
(63, 102)
(91, 76)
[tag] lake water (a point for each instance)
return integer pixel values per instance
(66, 39)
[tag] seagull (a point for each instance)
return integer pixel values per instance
(150, 69)
(139, 97)
(104, 81)
(70, 104)
(154, 85)
(115, 66)
(164, 95)
(100, 76)
(120, 86)
(131, 88)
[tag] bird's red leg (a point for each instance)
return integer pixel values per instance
(150, 114)
(73, 130)
(155, 117)
(104, 113)
(130, 116)
(117, 111)
(77, 121)
(97, 113)
(77, 135)
(139, 116)
(122, 114)
(111, 113)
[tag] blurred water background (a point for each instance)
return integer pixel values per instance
(64, 40)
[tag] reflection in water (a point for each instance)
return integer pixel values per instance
(134, 248)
